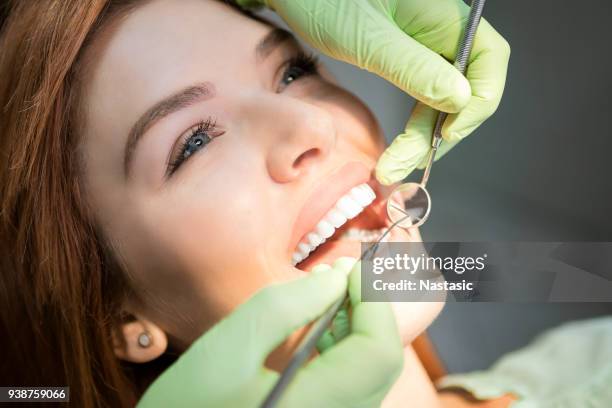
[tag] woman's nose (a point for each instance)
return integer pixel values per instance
(304, 141)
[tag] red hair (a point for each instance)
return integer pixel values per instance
(60, 292)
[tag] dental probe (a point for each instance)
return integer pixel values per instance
(415, 198)
(461, 61)
(309, 342)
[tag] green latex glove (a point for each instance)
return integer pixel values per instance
(408, 42)
(225, 367)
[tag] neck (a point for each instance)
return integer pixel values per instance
(413, 386)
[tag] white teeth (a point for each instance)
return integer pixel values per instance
(314, 239)
(361, 195)
(347, 207)
(335, 218)
(325, 229)
(363, 235)
(304, 249)
(296, 258)
(369, 190)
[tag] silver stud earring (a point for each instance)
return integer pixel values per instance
(144, 339)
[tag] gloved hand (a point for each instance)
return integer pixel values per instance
(407, 42)
(225, 367)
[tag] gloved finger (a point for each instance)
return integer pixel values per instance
(383, 327)
(374, 321)
(372, 347)
(441, 24)
(444, 148)
(409, 149)
(415, 69)
(487, 75)
(326, 341)
(339, 329)
(340, 325)
(272, 314)
(367, 36)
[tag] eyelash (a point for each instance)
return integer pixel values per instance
(200, 131)
(301, 65)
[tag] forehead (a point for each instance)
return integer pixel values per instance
(161, 47)
(166, 37)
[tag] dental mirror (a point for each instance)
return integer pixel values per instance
(412, 200)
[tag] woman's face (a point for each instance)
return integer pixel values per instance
(212, 148)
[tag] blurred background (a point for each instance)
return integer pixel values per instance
(538, 170)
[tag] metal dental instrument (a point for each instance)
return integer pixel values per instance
(416, 202)
(413, 199)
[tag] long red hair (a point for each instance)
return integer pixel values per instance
(60, 291)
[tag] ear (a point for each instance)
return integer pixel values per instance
(143, 341)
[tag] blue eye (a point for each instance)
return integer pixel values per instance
(299, 66)
(195, 141)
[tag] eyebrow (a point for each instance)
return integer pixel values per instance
(180, 100)
(191, 95)
(271, 41)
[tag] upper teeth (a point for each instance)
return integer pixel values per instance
(346, 208)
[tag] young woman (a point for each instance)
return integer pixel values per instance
(162, 162)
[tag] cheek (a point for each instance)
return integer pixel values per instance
(213, 223)
(355, 123)
(214, 235)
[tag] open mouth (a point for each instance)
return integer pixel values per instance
(357, 216)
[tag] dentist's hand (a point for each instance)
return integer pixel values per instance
(408, 42)
(225, 367)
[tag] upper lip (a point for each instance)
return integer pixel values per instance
(324, 197)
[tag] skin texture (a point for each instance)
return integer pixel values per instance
(202, 241)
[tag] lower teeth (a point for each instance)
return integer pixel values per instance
(363, 235)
